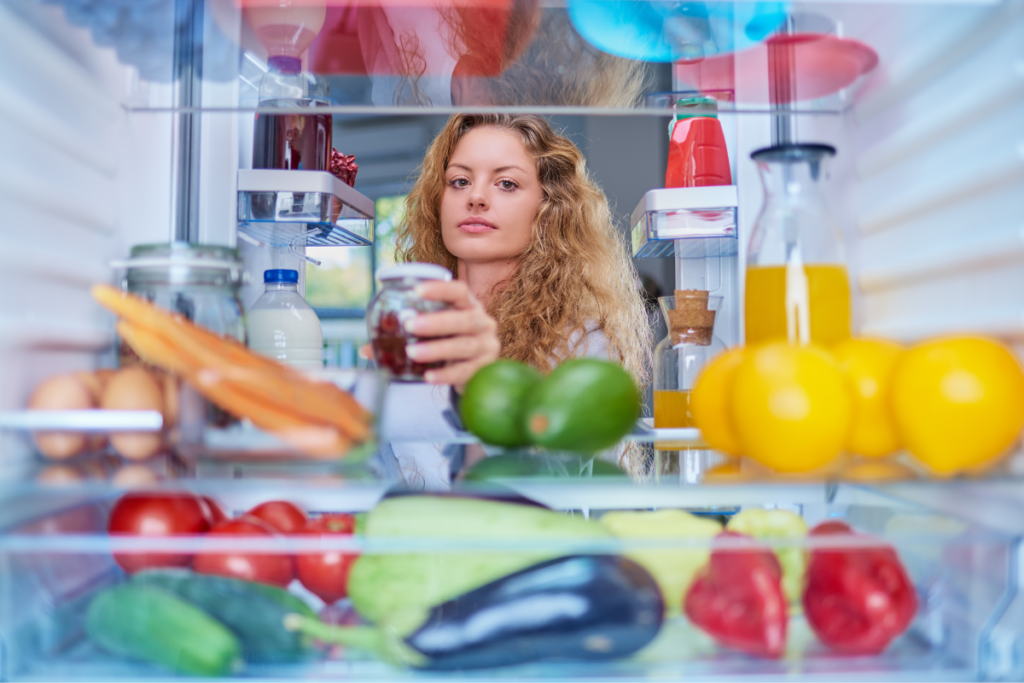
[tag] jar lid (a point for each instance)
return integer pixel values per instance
(281, 275)
(794, 152)
(182, 262)
(422, 271)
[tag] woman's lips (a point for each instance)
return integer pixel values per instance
(475, 226)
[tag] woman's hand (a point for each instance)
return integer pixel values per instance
(471, 335)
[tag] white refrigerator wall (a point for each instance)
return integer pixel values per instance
(80, 181)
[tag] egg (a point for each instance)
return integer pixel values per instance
(134, 477)
(134, 389)
(61, 392)
(60, 475)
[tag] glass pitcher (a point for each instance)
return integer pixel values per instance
(797, 286)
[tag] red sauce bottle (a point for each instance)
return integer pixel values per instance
(697, 155)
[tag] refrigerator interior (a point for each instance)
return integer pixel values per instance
(102, 150)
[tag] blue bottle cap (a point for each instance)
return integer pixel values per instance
(281, 275)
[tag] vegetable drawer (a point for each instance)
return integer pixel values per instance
(536, 580)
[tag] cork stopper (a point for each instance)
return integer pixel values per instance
(691, 322)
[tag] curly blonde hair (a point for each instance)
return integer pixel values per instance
(574, 273)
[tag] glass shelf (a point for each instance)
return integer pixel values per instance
(566, 56)
(302, 208)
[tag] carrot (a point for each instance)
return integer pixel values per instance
(292, 396)
(216, 352)
(293, 426)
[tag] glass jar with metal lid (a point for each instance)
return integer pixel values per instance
(199, 281)
(202, 283)
(395, 304)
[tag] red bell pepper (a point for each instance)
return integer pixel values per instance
(737, 599)
(857, 599)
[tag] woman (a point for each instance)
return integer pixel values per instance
(541, 274)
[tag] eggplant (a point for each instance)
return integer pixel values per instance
(579, 607)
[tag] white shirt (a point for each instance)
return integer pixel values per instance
(414, 431)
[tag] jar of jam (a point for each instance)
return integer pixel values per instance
(396, 303)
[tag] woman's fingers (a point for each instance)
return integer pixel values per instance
(453, 349)
(456, 374)
(455, 293)
(450, 323)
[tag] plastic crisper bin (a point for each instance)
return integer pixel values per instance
(56, 557)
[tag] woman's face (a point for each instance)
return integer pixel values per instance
(491, 197)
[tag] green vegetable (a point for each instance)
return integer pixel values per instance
(493, 404)
(673, 569)
(777, 524)
(541, 465)
(583, 405)
(253, 611)
(147, 623)
(399, 589)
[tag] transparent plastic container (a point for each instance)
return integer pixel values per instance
(293, 141)
(58, 558)
(283, 326)
(797, 286)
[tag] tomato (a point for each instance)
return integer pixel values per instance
(272, 568)
(156, 514)
(281, 515)
(216, 512)
(326, 574)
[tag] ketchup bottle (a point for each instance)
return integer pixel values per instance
(697, 155)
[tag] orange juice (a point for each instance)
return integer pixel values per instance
(672, 409)
(829, 293)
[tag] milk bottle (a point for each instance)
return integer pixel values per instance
(283, 326)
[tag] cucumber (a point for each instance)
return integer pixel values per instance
(153, 625)
(255, 612)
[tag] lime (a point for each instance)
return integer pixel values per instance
(584, 405)
(493, 403)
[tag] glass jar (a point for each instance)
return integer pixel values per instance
(797, 287)
(679, 357)
(199, 281)
(202, 283)
(394, 305)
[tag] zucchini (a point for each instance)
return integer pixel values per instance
(255, 612)
(143, 622)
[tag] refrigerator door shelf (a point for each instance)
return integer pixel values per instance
(307, 208)
(704, 217)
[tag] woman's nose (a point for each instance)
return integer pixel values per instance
(477, 199)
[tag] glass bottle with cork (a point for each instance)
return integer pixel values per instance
(679, 357)
(797, 287)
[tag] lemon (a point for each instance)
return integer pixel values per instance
(868, 366)
(958, 402)
(709, 403)
(791, 406)
(875, 470)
